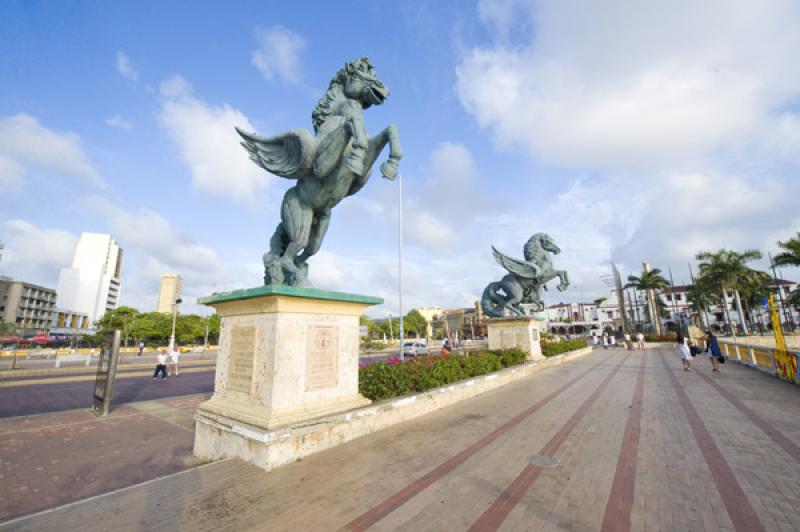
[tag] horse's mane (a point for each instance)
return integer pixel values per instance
(533, 244)
(325, 106)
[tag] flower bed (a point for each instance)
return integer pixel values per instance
(556, 348)
(383, 380)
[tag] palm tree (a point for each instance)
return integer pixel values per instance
(701, 296)
(650, 281)
(728, 270)
(754, 288)
(791, 254)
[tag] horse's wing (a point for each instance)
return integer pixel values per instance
(523, 269)
(288, 155)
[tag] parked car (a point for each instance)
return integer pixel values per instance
(415, 349)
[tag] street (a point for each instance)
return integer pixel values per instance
(59, 395)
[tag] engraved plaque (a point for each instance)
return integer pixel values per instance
(322, 355)
(240, 365)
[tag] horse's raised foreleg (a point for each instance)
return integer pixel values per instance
(562, 275)
(356, 159)
(375, 146)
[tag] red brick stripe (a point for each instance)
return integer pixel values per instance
(620, 502)
(494, 516)
(740, 511)
(389, 505)
(791, 448)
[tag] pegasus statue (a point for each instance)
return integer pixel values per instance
(525, 280)
(334, 162)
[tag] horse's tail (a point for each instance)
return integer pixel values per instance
(491, 307)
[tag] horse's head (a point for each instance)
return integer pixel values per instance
(541, 241)
(359, 83)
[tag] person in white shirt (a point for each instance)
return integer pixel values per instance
(686, 352)
(174, 358)
(161, 365)
(640, 340)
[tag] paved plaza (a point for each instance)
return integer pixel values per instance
(615, 440)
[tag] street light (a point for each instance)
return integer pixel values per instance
(174, 318)
(400, 256)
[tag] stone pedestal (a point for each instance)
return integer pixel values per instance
(287, 355)
(523, 333)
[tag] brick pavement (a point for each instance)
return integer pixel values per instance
(615, 440)
(51, 459)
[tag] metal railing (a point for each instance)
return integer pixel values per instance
(760, 357)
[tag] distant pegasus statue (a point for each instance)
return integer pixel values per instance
(333, 163)
(525, 279)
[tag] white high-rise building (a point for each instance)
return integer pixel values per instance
(170, 290)
(92, 285)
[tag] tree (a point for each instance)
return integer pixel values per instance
(415, 322)
(650, 282)
(119, 318)
(728, 271)
(791, 254)
(701, 296)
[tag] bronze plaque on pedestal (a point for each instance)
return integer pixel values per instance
(322, 354)
(240, 365)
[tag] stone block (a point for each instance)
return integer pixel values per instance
(517, 332)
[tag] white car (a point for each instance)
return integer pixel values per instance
(415, 349)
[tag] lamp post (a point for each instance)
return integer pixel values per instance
(174, 318)
(400, 256)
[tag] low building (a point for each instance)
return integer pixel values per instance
(70, 323)
(28, 307)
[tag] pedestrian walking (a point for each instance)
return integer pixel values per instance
(174, 358)
(161, 365)
(612, 340)
(640, 340)
(685, 351)
(141, 348)
(714, 351)
(628, 342)
(605, 340)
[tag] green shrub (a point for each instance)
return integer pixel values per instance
(383, 380)
(550, 350)
(660, 337)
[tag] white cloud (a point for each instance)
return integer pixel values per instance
(209, 144)
(118, 121)
(125, 68)
(26, 143)
(34, 254)
(622, 85)
(445, 202)
(11, 176)
(682, 114)
(278, 53)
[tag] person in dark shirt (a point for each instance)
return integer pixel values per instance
(713, 350)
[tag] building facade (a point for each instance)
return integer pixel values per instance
(168, 292)
(92, 285)
(70, 323)
(28, 307)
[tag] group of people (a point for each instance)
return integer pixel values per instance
(609, 340)
(167, 363)
(689, 350)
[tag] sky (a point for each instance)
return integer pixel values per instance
(629, 130)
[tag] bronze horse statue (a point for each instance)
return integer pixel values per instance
(333, 163)
(525, 280)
